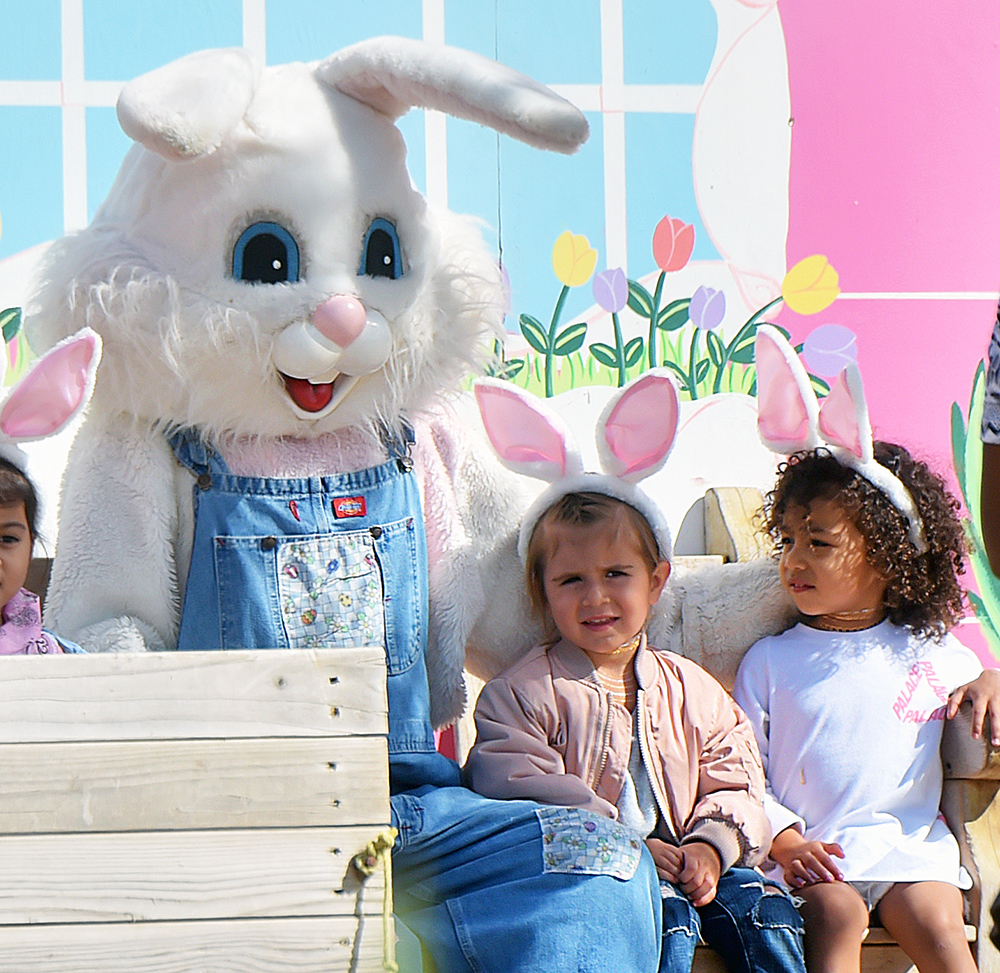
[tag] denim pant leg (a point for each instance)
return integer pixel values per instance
(753, 925)
(681, 930)
(470, 881)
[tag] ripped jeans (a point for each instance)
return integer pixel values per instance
(752, 924)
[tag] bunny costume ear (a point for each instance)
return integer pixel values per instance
(53, 392)
(635, 434)
(394, 74)
(790, 419)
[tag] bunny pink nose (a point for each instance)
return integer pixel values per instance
(340, 318)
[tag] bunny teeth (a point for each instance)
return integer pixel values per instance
(303, 351)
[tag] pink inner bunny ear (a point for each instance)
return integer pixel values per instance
(640, 428)
(528, 438)
(786, 405)
(843, 416)
(50, 394)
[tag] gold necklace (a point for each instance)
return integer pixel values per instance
(628, 646)
(828, 623)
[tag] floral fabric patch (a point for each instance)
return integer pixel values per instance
(579, 841)
(331, 591)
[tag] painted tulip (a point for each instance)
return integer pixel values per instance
(829, 349)
(673, 241)
(611, 290)
(573, 259)
(707, 308)
(811, 285)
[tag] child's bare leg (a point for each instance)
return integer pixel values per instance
(925, 918)
(836, 918)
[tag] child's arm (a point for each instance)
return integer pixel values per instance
(805, 862)
(728, 813)
(752, 692)
(513, 758)
(984, 693)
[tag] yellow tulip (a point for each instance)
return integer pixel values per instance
(573, 259)
(811, 285)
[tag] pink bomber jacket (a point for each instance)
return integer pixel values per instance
(547, 730)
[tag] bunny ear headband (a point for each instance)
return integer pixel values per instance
(56, 389)
(635, 434)
(790, 419)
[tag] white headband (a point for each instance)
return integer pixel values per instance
(790, 420)
(635, 434)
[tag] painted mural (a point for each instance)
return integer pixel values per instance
(826, 165)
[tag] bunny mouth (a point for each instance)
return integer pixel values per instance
(307, 396)
(315, 400)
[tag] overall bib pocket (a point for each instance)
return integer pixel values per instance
(324, 591)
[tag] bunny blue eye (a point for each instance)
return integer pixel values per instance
(380, 253)
(266, 253)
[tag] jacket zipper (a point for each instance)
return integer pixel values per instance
(640, 711)
(605, 742)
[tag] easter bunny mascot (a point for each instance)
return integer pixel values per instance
(282, 313)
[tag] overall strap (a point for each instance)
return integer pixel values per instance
(196, 456)
(399, 442)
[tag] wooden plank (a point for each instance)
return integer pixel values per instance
(171, 876)
(241, 946)
(188, 784)
(170, 695)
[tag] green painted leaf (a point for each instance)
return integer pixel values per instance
(716, 349)
(958, 434)
(605, 354)
(674, 315)
(512, 368)
(633, 352)
(534, 333)
(819, 386)
(640, 300)
(701, 370)
(742, 354)
(10, 322)
(677, 370)
(570, 339)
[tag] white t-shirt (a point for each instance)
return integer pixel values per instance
(849, 725)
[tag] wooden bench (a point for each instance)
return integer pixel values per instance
(192, 811)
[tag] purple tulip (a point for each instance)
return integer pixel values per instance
(707, 308)
(829, 349)
(611, 290)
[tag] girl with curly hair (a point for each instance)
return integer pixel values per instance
(848, 705)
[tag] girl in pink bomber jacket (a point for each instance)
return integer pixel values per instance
(596, 720)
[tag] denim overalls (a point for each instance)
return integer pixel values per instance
(341, 561)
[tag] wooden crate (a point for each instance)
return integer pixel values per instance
(191, 811)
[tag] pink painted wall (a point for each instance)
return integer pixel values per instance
(895, 176)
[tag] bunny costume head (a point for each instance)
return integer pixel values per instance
(635, 434)
(791, 419)
(263, 264)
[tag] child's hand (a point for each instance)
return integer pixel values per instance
(984, 694)
(699, 876)
(667, 858)
(806, 862)
(695, 868)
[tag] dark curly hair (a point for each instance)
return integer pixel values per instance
(923, 593)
